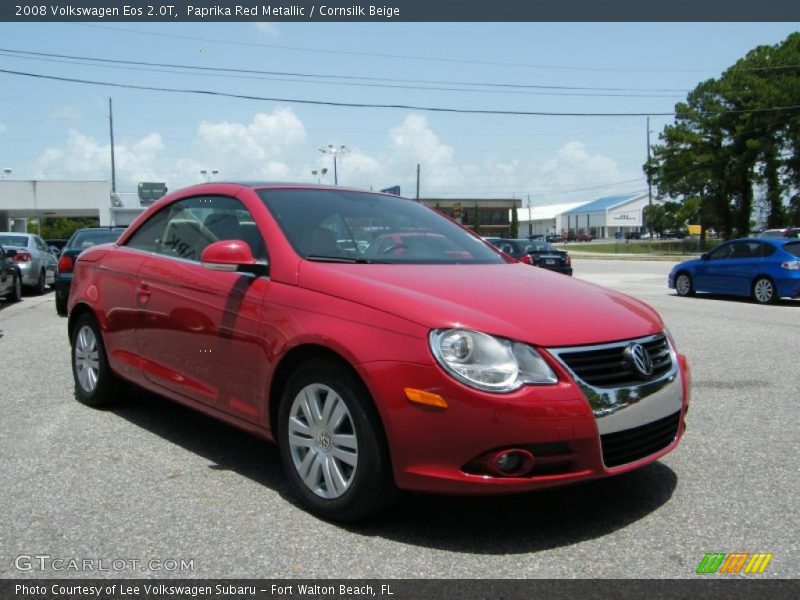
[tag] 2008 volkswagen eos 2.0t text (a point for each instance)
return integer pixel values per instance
(375, 366)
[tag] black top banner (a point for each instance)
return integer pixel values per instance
(398, 10)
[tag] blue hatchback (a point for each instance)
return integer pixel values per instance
(763, 268)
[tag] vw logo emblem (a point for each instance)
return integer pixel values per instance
(640, 359)
(324, 440)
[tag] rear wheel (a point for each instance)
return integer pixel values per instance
(332, 445)
(38, 289)
(764, 291)
(684, 285)
(61, 305)
(95, 383)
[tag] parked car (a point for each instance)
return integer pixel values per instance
(35, 261)
(403, 371)
(786, 232)
(79, 241)
(10, 276)
(538, 254)
(56, 245)
(762, 268)
(583, 237)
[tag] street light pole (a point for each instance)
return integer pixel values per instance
(334, 151)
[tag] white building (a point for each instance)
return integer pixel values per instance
(544, 220)
(24, 199)
(608, 216)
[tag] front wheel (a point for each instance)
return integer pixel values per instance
(764, 290)
(95, 384)
(684, 285)
(332, 445)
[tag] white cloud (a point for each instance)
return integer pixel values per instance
(83, 157)
(269, 29)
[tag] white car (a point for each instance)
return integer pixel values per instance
(36, 263)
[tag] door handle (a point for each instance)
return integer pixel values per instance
(143, 293)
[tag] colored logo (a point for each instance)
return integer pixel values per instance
(735, 562)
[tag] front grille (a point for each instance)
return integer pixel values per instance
(607, 367)
(632, 444)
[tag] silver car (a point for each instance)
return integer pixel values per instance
(36, 263)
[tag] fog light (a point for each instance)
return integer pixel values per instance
(508, 461)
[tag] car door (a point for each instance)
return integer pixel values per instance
(738, 271)
(709, 273)
(46, 260)
(197, 330)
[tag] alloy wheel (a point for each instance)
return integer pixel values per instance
(87, 359)
(764, 291)
(323, 441)
(683, 285)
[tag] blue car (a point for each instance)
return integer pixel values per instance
(763, 268)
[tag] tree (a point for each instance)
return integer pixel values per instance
(476, 219)
(731, 133)
(656, 217)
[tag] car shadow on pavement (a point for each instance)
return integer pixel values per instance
(523, 523)
(739, 299)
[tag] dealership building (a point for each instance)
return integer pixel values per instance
(22, 199)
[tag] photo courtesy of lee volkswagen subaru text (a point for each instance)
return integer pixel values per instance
(362, 333)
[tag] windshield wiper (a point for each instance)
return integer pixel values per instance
(343, 259)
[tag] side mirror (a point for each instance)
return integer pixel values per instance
(231, 256)
(704, 256)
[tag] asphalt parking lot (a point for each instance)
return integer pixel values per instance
(152, 480)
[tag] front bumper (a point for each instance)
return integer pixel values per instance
(434, 449)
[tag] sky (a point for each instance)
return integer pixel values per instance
(53, 129)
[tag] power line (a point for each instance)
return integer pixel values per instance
(22, 53)
(474, 111)
(425, 58)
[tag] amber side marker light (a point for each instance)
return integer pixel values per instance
(426, 398)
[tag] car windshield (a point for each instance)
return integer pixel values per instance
(346, 226)
(92, 237)
(539, 247)
(14, 240)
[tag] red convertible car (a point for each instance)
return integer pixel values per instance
(282, 309)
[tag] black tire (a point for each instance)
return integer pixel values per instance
(684, 285)
(370, 486)
(88, 347)
(763, 290)
(61, 305)
(16, 288)
(39, 288)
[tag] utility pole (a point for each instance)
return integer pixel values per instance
(649, 183)
(111, 131)
(417, 181)
(530, 219)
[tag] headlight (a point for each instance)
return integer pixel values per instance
(488, 363)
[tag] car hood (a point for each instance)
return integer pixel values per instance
(515, 301)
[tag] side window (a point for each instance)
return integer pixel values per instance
(40, 245)
(767, 250)
(724, 251)
(148, 237)
(185, 228)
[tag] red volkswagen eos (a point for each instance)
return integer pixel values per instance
(375, 366)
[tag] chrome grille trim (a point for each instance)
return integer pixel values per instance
(632, 403)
